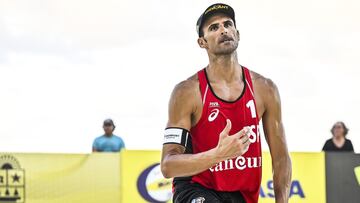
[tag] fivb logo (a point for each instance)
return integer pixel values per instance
(357, 174)
(215, 112)
(214, 104)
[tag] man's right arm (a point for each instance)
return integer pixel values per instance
(174, 163)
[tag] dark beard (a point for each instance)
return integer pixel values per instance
(227, 51)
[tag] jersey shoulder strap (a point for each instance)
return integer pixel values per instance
(248, 80)
(204, 87)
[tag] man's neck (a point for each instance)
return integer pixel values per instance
(108, 135)
(224, 67)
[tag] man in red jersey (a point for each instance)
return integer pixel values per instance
(212, 143)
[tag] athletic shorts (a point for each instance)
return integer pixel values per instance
(187, 192)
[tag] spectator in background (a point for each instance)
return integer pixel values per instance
(338, 142)
(108, 142)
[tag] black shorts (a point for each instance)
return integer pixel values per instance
(187, 192)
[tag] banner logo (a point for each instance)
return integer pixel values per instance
(152, 185)
(12, 180)
(296, 190)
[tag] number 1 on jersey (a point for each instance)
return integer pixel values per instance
(251, 106)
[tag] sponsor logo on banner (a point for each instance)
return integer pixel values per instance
(152, 185)
(308, 179)
(296, 190)
(12, 180)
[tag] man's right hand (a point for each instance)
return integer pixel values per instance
(231, 146)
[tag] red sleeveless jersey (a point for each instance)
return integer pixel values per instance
(244, 172)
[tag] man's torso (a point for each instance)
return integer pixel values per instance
(108, 143)
(243, 106)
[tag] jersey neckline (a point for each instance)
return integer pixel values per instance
(223, 100)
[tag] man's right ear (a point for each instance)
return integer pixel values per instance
(202, 42)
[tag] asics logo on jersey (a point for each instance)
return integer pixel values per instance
(214, 113)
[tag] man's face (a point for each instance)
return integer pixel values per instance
(108, 128)
(220, 35)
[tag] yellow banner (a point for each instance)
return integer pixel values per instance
(59, 178)
(131, 176)
(141, 178)
(308, 179)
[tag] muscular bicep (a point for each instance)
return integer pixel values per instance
(180, 110)
(179, 115)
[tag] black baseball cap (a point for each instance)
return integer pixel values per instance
(210, 11)
(108, 122)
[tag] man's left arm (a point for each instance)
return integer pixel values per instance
(275, 137)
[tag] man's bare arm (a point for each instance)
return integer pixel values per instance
(174, 162)
(275, 136)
